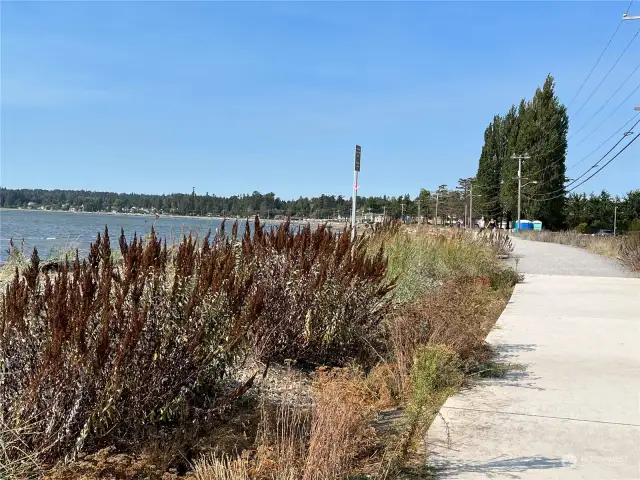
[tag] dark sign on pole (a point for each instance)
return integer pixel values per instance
(357, 166)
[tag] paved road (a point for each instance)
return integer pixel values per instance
(572, 409)
(556, 259)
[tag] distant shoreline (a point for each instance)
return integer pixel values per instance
(313, 221)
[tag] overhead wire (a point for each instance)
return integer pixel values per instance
(609, 72)
(595, 165)
(629, 7)
(615, 32)
(609, 99)
(538, 154)
(624, 102)
(535, 153)
(591, 176)
(544, 169)
(600, 146)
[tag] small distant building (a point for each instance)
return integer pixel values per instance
(537, 225)
(32, 204)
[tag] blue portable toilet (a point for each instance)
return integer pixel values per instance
(524, 225)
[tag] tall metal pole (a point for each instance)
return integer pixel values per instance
(356, 169)
(615, 219)
(353, 204)
(465, 215)
(402, 206)
(519, 189)
(419, 210)
(470, 205)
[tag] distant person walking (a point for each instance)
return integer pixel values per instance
(492, 225)
(481, 224)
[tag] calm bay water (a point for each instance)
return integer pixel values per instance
(51, 231)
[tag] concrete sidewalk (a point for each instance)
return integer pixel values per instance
(573, 410)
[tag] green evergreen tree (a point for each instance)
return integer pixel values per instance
(487, 184)
(548, 124)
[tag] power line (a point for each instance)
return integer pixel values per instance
(591, 176)
(624, 102)
(629, 7)
(591, 168)
(610, 70)
(556, 162)
(600, 146)
(595, 164)
(610, 98)
(597, 62)
(534, 153)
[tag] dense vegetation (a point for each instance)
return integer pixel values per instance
(450, 203)
(538, 128)
(101, 352)
(586, 213)
(142, 350)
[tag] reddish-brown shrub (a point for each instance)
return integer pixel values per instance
(101, 353)
(325, 296)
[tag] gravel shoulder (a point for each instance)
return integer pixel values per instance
(555, 259)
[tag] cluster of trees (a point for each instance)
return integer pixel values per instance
(593, 212)
(449, 203)
(266, 205)
(538, 129)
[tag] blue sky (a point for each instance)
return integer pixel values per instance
(160, 97)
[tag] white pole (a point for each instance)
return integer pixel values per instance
(470, 205)
(615, 219)
(353, 205)
(519, 189)
(465, 215)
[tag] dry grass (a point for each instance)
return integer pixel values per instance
(459, 315)
(630, 251)
(340, 427)
(422, 259)
(224, 467)
(12, 465)
(293, 443)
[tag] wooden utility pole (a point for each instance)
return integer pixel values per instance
(520, 158)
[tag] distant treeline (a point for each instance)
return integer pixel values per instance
(265, 205)
(595, 211)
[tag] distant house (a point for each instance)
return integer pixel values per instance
(32, 204)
